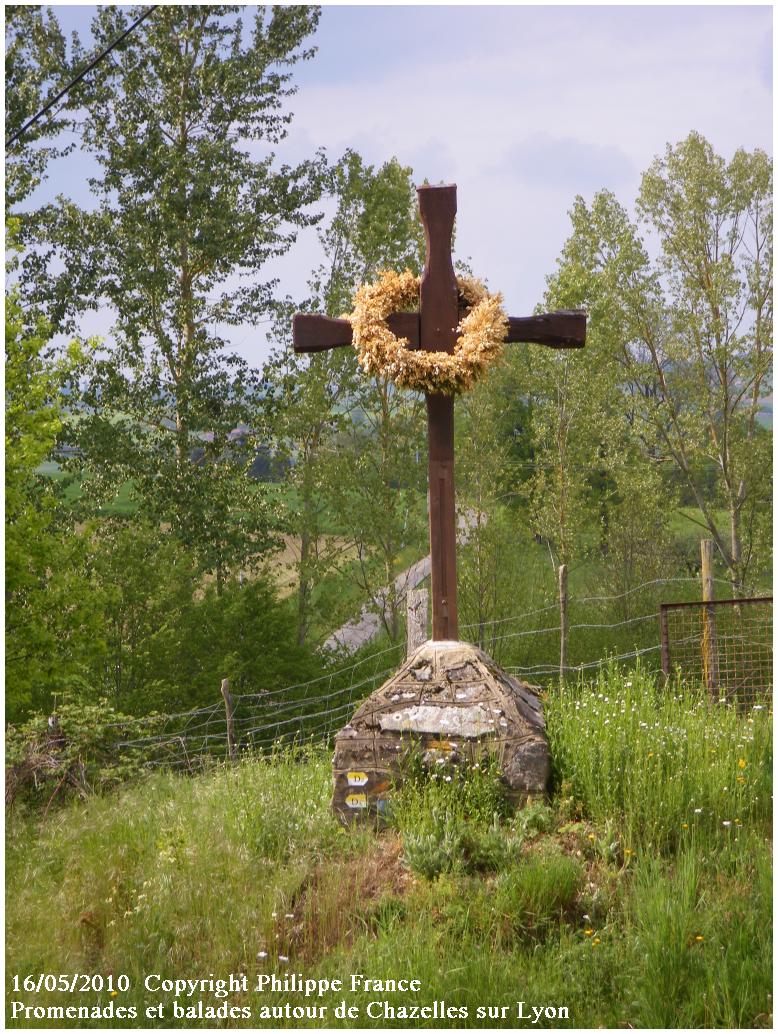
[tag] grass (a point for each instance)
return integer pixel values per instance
(616, 899)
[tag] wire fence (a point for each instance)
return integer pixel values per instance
(526, 644)
(725, 645)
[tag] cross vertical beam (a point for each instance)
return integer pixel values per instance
(438, 318)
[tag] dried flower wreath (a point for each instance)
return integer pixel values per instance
(482, 331)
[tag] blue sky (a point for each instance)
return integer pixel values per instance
(523, 107)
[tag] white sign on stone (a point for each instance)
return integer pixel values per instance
(467, 722)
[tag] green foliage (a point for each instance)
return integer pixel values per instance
(78, 751)
(185, 218)
(244, 634)
(40, 602)
(376, 226)
(352, 443)
(35, 65)
(449, 818)
(680, 343)
(701, 946)
(533, 895)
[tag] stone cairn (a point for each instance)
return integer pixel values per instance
(454, 704)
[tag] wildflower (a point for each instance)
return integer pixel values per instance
(595, 942)
(289, 915)
(698, 811)
(684, 825)
(628, 851)
(726, 822)
(741, 764)
(591, 836)
(283, 958)
(741, 779)
(699, 938)
(588, 932)
(261, 954)
(651, 753)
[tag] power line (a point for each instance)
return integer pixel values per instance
(96, 61)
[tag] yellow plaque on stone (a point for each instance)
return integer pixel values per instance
(356, 778)
(357, 800)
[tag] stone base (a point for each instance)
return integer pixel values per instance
(456, 704)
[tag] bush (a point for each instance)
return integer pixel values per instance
(74, 751)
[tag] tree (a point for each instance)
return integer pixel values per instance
(35, 65)
(689, 330)
(42, 604)
(190, 204)
(351, 441)
(378, 476)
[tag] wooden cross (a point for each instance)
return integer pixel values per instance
(433, 328)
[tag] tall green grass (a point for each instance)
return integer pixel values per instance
(612, 900)
(664, 764)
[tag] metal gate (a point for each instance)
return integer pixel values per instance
(725, 645)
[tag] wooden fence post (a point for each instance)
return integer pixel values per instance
(230, 709)
(563, 627)
(710, 661)
(665, 636)
(417, 603)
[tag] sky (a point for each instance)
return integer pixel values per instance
(523, 107)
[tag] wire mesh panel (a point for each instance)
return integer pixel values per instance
(726, 645)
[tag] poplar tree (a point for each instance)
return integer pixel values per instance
(36, 65)
(190, 204)
(685, 337)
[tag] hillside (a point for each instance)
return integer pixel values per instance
(640, 895)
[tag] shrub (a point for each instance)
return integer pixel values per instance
(74, 751)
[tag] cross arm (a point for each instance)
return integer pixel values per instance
(311, 333)
(563, 329)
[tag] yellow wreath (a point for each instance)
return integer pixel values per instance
(482, 333)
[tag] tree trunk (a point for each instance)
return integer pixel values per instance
(304, 587)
